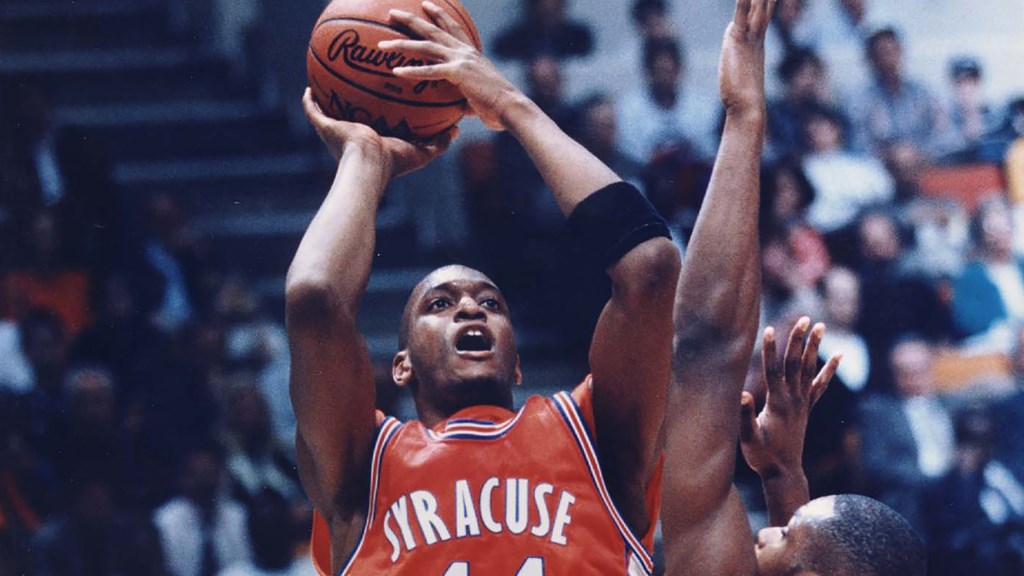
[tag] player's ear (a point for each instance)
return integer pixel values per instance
(518, 372)
(401, 368)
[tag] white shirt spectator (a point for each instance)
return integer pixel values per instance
(933, 434)
(844, 184)
(855, 368)
(181, 533)
(15, 373)
(644, 126)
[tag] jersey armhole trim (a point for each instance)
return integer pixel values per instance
(573, 417)
(385, 433)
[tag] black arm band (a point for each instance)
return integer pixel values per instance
(612, 221)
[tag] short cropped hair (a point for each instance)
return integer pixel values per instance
(866, 538)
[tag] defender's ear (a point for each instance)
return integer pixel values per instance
(401, 368)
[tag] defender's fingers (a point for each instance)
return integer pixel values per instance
(739, 18)
(748, 417)
(809, 362)
(422, 28)
(793, 352)
(770, 360)
(446, 21)
(425, 47)
(824, 378)
(761, 15)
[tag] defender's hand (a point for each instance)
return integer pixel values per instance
(396, 156)
(773, 441)
(741, 66)
(454, 58)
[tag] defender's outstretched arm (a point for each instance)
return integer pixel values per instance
(716, 315)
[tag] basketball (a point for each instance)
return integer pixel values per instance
(351, 77)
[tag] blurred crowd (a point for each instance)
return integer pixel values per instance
(145, 424)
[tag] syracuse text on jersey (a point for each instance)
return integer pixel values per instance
(473, 511)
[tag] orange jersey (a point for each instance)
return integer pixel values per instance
(490, 492)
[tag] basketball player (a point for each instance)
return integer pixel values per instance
(563, 485)
(716, 314)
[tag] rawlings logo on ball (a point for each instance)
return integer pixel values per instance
(347, 46)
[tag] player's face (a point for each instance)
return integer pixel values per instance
(779, 550)
(461, 338)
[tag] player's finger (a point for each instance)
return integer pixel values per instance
(446, 22)
(739, 18)
(425, 47)
(770, 360)
(422, 28)
(313, 112)
(443, 71)
(824, 378)
(757, 9)
(794, 347)
(748, 417)
(809, 362)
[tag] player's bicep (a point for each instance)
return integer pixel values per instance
(332, 392)
(631, 352)
(716, 540)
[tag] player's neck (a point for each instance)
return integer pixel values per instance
(433, 412)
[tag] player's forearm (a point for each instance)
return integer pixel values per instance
(569, 169)
(334, 258)
(719, 289)
(785, 492)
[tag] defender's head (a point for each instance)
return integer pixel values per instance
(844, 535)
(457, 346)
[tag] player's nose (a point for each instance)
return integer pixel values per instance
(769, 536)
(469, 309)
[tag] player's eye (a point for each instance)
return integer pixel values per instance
(491, 304)
(438, 304)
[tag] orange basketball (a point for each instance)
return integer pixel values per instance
(351, 77)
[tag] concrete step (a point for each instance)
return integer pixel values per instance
(49, 26)
(110, 77)
(199, 133)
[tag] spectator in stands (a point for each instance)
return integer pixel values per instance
(845, 182)
(544, 30)
(44, 343)
(995, 146)
(895, 107)
(254, 460)
(122, 338)
(651, 18)
(15, 373)
(659, 117)
(90, 540)
(174, 265)
(970, 113)
(272, 533)
(893, 294)
(202, 531)
(46, 280)
(19, 491)
(803, 76)
(597, 130)
(794, 255)
(1014, 152)
(906, 439)
(974, 515)
(1008, 413)
(257, 343)
(842, 298)
(989, 293)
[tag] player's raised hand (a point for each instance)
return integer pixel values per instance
(396, 156)
(741, 66)
(773, 441)
(448, 48)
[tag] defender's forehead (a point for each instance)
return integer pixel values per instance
(816, 510)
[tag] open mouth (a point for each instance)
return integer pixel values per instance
(474, 340)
